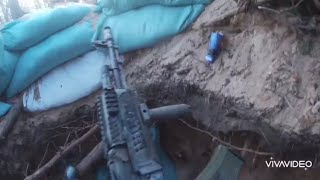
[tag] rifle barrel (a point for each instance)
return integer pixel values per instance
(114, 58)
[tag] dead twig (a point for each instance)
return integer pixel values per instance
(10, 120)
(214, 138)
(76, 130)
(292, 7)
(288, 102)
(264, 136)
(67, 123)
(282, 10)
(55, 146)
(92, 158)
(44, 169)
(66, 143)
(26, 171)
(76, 134)
(269, 9)
(44, 156)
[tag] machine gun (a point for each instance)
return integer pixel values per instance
(125, 128)
(125, 122)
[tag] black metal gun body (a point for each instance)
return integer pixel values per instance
(125, 122)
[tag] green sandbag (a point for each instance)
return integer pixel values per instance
(7, 66)
(146, 26)
(33, 28)
(113, 7)
(56, 50)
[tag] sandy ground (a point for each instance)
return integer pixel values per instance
(267, 70)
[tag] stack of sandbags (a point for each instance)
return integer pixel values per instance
(37, 43)
(139, 24)
(58, 36)
(133, 28)
(54, 51)
(144, 27)
(114, 7)
(8, 62)
(45, 40)
(31, 29)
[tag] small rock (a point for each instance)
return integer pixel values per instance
(315, 109)
(226, 82)
(183, 71)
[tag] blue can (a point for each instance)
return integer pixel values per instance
(214, 46)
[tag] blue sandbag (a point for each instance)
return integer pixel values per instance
(4, 108)
(7, 66)
(56, 50)
(1, 48)
(113, 7)
(146, 26)
(2, 67)
(33, 28)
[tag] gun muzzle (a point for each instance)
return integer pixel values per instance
(107, 33)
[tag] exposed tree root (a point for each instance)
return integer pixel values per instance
(44, 169)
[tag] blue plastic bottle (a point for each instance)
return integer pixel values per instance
(214, 46)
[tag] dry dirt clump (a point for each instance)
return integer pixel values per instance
(266, 77)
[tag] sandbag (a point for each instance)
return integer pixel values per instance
(33, 28)
(1, 48)
(55, 50)
(2, 68)
(146, 26)
(7, 67)
(113, 7)
(66, 84)
(4, 108)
